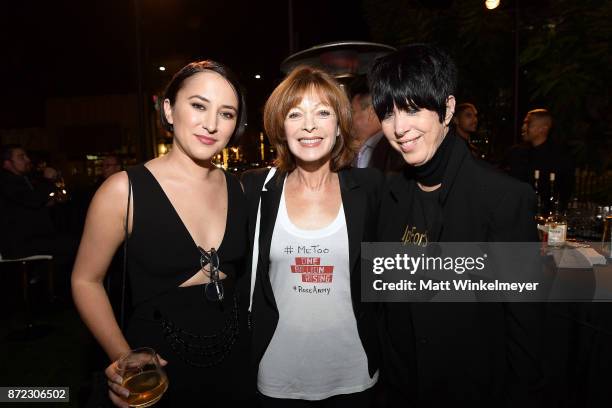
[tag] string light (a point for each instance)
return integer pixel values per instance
(491, 4)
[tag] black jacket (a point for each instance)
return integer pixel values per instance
(24, 216)
(523, 159)
(467, 353)
(385, 158)
(360, 190)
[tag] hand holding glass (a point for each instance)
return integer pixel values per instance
(142, 376)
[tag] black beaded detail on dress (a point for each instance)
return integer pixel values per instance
(203, 350)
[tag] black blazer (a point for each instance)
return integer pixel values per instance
(476, 354)
(360, 190)
(385, 158)
(24, 217)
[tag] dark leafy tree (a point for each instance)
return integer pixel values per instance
(564, 62)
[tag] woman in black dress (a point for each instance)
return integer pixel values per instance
(186, 216)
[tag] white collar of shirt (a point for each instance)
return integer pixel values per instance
(365, 152)
(372, 141)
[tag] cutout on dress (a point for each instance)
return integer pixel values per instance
(199, 279)
(209, 269)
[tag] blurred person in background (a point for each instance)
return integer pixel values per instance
(465, 120)
(27, 226)
(539, 151)
(374, 150)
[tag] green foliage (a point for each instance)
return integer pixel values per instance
(567, 59)
(564, 60)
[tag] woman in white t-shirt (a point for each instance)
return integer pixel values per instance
(314, 341)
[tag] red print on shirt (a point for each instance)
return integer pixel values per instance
(312, 271)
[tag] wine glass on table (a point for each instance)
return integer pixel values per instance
(143, 377)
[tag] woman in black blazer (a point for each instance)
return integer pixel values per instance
(313, 339)
(437, 354)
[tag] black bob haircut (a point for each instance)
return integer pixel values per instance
(189, 70)
(415, 77)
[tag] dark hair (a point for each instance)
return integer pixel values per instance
(288, 94)
(177, 81)
(6, 151)
(463, 106)
(418, 76)
(359, 86)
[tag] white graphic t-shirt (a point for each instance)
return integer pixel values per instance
(315, 352)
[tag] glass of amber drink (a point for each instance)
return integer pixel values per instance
(143, 377)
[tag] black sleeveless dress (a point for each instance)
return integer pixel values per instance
(204, 342)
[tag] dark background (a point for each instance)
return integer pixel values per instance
(70, 84)
(70, 48)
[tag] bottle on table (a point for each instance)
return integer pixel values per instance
(540, 218)
(606, 238)
(556, 221)
(573, 217)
